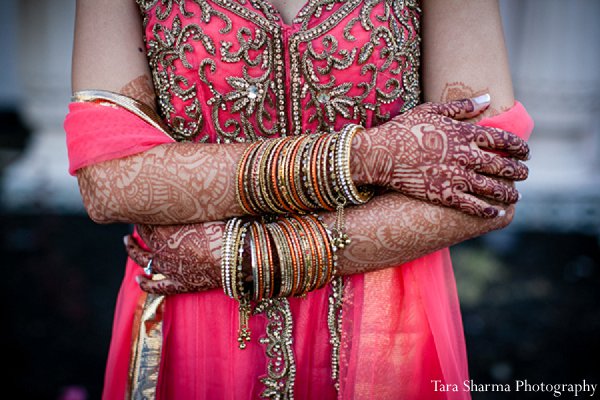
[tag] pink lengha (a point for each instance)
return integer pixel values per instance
(401, 328)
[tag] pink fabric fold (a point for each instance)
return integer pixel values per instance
(384, 343)
(515, 120)
(97, 133)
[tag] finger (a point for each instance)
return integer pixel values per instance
(472, 205)
(493, 189)
(143, 257)
(140, 256)
(146, 232)
(164, 286)
(463, 108)
(496, 165)
(497, 139)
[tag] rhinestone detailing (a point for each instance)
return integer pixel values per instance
(323, 98)
(281, 367)
(352, 61)
(334, 323)
(252, 92)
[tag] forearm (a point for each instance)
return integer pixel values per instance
(393, 229)
(173, 183)
(388, 231)
(169, 184)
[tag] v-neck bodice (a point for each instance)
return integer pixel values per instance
(232, 70)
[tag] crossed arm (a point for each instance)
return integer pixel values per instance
(389, 230)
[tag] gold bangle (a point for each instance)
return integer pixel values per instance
(141, 110)
(285, 265)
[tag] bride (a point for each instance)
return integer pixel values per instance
(282, 153)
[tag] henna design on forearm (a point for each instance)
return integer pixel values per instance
(169, 184)
(393, 229)
(388, 231)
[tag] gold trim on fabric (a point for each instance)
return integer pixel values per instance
(147, 347)
(281, 365)
(144, 111)
(135, 337)
(334, 323)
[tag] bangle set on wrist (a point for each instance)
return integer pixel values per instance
(298, 174)
(289, 257)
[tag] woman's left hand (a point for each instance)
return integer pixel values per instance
(187, 255)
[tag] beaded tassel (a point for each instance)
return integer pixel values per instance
(340, 237)
(245, 309)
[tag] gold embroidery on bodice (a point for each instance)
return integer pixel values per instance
(230, 70)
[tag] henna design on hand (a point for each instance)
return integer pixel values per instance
(427, 153)
(187, 255)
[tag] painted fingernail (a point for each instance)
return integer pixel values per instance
(482, 100)
(138, 279)
(125, 239)
(501, 213)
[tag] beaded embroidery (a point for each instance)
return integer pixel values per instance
(190, 69)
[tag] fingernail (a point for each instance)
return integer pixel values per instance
(482, 100)
(138, 279)
(520, 196)
(125, 239)
(501, 213)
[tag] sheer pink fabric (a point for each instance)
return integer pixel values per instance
(401, 327)
(97, 133)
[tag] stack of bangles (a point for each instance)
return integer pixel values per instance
(288, 257)
(295, 252)
(298, 174)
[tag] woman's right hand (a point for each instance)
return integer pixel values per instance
(429, 154)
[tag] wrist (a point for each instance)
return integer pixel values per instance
(359, 168)
(370, 165)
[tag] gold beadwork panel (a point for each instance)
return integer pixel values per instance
(227, 70)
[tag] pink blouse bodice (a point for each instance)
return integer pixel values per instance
(231, 70)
